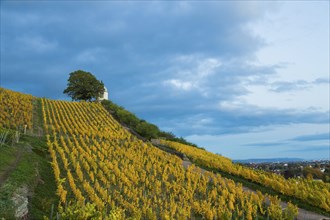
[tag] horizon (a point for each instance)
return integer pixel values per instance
(246, 80)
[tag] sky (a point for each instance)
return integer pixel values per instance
(245, 79)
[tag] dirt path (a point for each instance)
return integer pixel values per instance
(302, 215)
(5, 174)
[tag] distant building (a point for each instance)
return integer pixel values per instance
(105, 95)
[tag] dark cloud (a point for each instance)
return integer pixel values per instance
(115, 40)
(222, 121)
(172, 63)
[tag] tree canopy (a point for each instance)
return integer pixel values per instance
(84, 86)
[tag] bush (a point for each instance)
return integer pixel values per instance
(142, 127)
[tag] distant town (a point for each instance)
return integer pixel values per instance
(319, 170)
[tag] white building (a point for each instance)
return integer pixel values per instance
(105, 95)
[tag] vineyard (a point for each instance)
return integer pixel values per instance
(95, 160)
(313, 192)
(16, 109)
(97, 163)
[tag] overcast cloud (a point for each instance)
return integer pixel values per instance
(198, 69)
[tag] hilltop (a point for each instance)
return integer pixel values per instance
(76, 159)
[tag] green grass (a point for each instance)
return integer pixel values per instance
(7, 155)
(32, 170)
(23, 174)
(25, 171)
(44, 195)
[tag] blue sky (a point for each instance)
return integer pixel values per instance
(246, 79)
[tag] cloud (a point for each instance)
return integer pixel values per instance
(36, 44)
(321, 81)
(314, 141)
(185, 66)
(312, 137)
(325, 149)
(266, 144)
(141, 41)
(93, 55)
(178, 84)
(233, 121)
(192, 72)
(288, 86)
(281, 86)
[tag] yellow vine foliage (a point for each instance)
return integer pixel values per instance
(313, 192)
(16, 109)
(96, 161)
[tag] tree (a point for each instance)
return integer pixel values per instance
(84, 86)
(311, 173)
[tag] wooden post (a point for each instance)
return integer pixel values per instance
(17, 136)
(51, 212)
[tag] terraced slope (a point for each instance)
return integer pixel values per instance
(16, 109)
(27, 185)
(97, 164)
(312, 192)
(95, 160)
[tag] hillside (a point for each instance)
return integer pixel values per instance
(101, 170)
(309, 194)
